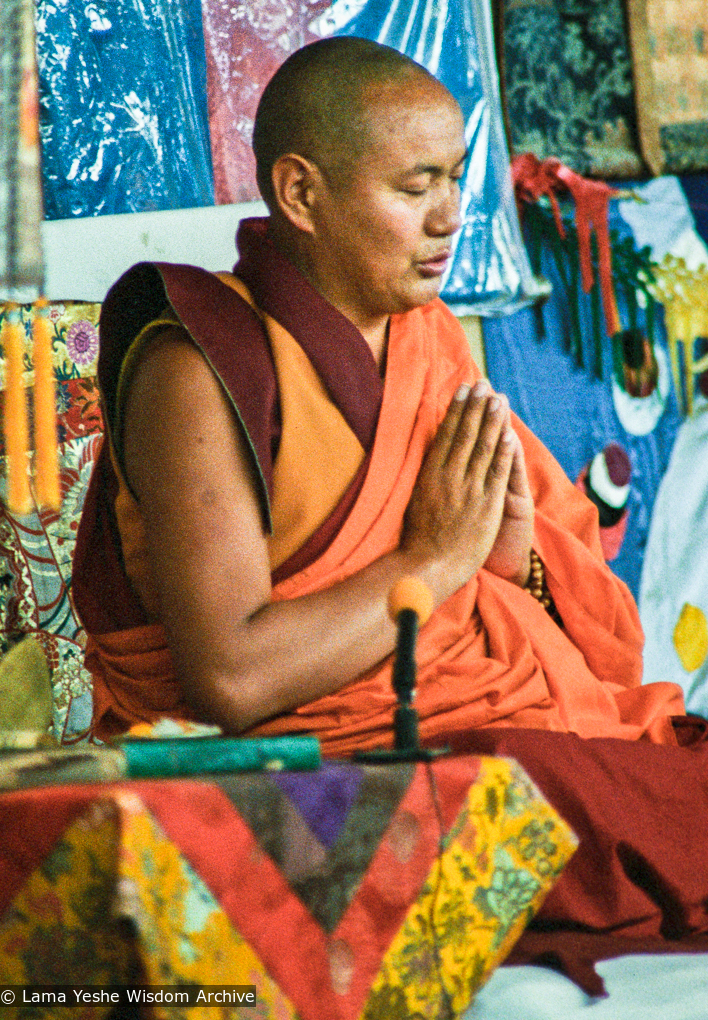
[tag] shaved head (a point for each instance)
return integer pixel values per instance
(316, 104)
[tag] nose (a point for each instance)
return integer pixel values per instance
(444, 216)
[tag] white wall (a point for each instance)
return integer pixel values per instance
(83, 257)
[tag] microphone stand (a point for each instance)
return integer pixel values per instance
(406, 745)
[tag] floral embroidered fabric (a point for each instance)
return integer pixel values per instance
(36, 550)
(567, 80)
(134, 891)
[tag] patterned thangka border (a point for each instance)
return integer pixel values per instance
(670, 64)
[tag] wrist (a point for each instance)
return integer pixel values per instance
(444, 575)
(522, 577)
(518, 574)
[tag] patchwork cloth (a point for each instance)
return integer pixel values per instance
(351, 892)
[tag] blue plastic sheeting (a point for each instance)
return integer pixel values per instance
(124, 123)
(489, 273)
(573, 413)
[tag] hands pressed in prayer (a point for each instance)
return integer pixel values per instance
(511, 553)
(472, 504)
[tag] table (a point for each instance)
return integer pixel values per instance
(352, 891)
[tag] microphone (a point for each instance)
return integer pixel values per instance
(410, 603)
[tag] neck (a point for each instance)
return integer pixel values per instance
(377, 339)
(374, 332)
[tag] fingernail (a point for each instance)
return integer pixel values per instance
(494, 404)
(481, 388)
(508, 436)
(462, 391)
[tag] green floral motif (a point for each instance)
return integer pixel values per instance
(519, 793)
(77, 962)
(684, 146)
(510, 894)
(390, 1002)
(37, 552)
(59, 862)
(534, 840)
(476, 900)
(492, 802)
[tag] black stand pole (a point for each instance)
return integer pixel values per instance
(405, 721)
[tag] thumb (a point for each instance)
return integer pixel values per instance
(518, 477)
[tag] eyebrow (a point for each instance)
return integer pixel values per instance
(422, 168)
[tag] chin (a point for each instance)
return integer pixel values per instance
(424, 293)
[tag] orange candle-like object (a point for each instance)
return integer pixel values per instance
(45, 422)
(15, 414)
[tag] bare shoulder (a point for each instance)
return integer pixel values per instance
(180, 432)
(170, 370)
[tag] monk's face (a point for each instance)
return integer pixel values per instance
(385, 225)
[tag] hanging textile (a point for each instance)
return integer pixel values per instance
(670, 71)
(245, 44)
(21, 270)
(123, 97)
(115, 140)
(566, 75)
(593, 260)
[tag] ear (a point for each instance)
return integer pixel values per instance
(295, 186)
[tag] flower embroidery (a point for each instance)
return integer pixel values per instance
(82, 342)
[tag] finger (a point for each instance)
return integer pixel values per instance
(440, 447)
(518, 476)
(489, 431)
(497, 478)
(468, 428)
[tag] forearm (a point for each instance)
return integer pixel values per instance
(288, 653)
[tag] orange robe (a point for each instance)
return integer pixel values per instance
(490, 655)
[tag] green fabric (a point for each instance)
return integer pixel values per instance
(25, 689)
(192, 755)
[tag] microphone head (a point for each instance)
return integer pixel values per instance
(410, 593)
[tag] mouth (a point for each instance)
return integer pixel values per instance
(435, 265)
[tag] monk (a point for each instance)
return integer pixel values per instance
(287, 441)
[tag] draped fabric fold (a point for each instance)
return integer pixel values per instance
(490, 655)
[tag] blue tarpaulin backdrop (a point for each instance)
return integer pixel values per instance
(123, 106)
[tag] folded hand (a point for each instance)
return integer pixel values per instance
(459, 503)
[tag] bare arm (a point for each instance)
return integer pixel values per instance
(241, 658)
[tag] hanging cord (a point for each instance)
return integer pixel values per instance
(534, 179)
